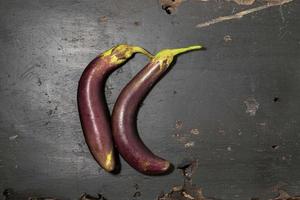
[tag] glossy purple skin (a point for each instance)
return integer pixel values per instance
(124, 117)
(93, 111)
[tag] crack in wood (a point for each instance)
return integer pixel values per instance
(243, 13)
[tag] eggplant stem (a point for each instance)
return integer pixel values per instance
(166, 56)
(184, 50)
(137, 49)
(122, 52)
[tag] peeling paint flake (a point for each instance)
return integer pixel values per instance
(178, 124)
(195, 131)
(283, 195)
(189, 144)
(251, 106)
(227, 38)
(11, 138)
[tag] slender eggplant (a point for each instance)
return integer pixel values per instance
(93, 110)
(124, 116)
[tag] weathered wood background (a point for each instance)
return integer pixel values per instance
(233, 107)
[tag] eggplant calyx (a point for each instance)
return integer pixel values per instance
(166, 56)
(122, 52)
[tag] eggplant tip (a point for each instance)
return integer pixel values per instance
(109, 164)
(167, 166)
(109, 168)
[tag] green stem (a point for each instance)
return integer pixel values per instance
(183, 50)
(166, 56)
(137, 49)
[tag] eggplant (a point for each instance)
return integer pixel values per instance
(92, 106)
(125, 111)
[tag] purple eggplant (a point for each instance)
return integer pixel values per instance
(124, 116)
(93, 110)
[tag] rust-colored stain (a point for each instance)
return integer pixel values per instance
(283, 195)
(186, 191)
(189, 191)
(178, 125)
(170, 6)
(183, 193)
(103, 19)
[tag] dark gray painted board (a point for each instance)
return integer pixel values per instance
(45, 46)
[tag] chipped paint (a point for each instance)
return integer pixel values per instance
(195, 131)
(13, 137)
(251, 106)
(189, 144)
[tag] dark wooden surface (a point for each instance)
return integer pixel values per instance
(45, 46)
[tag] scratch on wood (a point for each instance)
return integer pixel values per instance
(281, 14)
(13, 137)
(243, 13)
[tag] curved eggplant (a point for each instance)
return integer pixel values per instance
(124, 116)
(93, 110)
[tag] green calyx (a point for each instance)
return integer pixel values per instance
(166, 56)
(121, 53)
